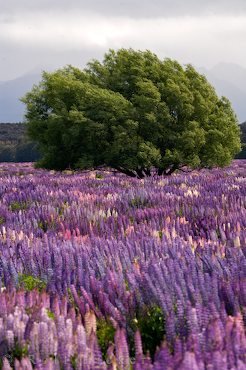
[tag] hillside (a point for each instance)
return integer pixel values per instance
(11, 109)
(11, 133)
(14, 144)
(242, 154)
(243, 130)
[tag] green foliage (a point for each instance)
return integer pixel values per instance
(46, 225)
(180, 212)
(28, 282)
(99, 176)
(2, 220)
(50, 314)
(73, 362)
(127, 285)
(151, 323)
(18, 206)
(105, 335)
(62, 207)
(72, 301)
(139, 202)
(131, 112)
(131, 220)
(42, 225)
(17, 352)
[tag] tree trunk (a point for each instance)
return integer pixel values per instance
(171, 170)
(147, 172)
(140, 173)
(127, 172)
(167, 171)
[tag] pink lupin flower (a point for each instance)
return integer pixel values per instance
(6, 365)
(90, 322)
(138, 344)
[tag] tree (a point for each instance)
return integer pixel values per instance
(131, 112)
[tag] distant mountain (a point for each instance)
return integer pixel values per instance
(233, 73)
(228, 79)
(11, 109)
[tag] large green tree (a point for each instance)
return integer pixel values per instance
(131, 112)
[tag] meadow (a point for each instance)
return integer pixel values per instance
(102, 271)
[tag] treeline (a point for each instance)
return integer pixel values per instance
(242, 154)
(15, 145)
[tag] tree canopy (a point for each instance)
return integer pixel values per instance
(132, 112)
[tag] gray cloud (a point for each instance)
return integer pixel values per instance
(129, 8)
(37, 34)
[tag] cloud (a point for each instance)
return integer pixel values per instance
(40, 33)
(73, 31)
(65, 31)
(129, 8)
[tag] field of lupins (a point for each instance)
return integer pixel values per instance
(102, 271)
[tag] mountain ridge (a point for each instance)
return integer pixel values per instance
(11, 108)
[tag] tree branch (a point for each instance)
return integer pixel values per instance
(171, 170)
(185, 171)
(127, 172)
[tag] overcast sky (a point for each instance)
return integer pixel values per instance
(44, 34)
